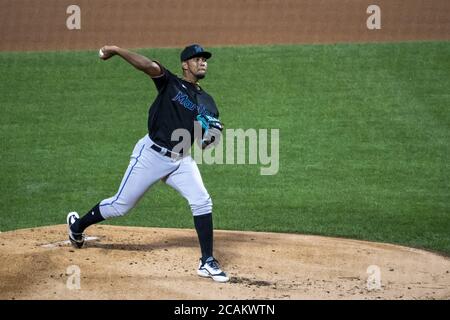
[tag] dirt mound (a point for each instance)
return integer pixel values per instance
(156, 263)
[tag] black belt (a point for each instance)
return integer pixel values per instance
(168, 153)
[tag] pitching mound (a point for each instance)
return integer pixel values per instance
(154, 263)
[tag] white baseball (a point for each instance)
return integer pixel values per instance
(101, 54)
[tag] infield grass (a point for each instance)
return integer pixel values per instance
(364, 139)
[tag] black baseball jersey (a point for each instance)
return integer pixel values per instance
(177, 105)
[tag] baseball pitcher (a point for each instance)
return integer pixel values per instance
(180, 103)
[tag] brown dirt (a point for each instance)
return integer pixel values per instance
(41, 25)
(156, 263)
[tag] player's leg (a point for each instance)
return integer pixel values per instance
(143, 171)
(188, 182)
(145, 168)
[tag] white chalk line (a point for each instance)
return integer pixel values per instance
(63, 243)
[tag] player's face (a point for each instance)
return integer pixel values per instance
(198, 66)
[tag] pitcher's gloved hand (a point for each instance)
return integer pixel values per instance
(212, 128)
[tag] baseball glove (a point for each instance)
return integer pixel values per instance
(212, 128)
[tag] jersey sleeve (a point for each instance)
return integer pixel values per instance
(161, 80)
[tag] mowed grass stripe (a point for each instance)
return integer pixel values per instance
(364, 131)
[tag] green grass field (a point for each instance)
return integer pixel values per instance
(364, 139)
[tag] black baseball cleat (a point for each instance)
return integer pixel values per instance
(76, 239)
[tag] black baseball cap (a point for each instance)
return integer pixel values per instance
(192, 51)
